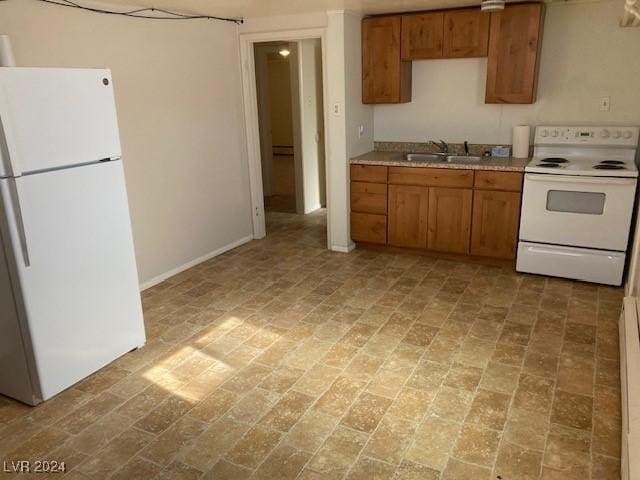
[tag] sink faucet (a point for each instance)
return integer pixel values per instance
(444, 148)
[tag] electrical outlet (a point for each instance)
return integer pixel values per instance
(605, 103)
(336, 109)
(360, 131)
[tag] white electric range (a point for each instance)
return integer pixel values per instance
(577, 203)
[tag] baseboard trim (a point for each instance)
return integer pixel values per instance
(342, 249)
(161, 278)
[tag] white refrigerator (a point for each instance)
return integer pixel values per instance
(69, 297)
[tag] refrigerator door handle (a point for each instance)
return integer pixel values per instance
(8, 152)
(22, 234)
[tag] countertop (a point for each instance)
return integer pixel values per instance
(396, 159)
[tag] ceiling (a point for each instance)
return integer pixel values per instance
(264, 8)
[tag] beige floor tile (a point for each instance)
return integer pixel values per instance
(339, 397)
(457, 470)
(452, 403)
(284, 463)
(433, 443)
(366, 412)
(371, 469)
(253, 447)
(540, 364)
(534, 394)
(311, 431)
(137, 468)
(572, 410)
(428, 376)
(338, 453)
(508, 354)
(413, 471)
(281, 379)
(390, 440)
(317, 379)
(287, 411)
(284, 330)
(214, 406)
(214, 442)
(526, 429)
(464, 377)
(517, 462)
(224, 470)
(477, 445)
(498, 377)
(489, 409)
(164, 448)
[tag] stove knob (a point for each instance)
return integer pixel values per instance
(605, 133)
(616, 134)
(554, 133)
(544, 133)
(627, 134)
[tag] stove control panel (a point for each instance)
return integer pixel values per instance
(596, 136)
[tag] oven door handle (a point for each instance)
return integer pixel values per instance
(582, 180)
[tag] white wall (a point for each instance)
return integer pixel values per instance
(344, 79)
(585, 55)
(178, 94)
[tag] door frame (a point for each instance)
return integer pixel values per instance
(252, 125)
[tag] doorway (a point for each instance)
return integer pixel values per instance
(290, 108)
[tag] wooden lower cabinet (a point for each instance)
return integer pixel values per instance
(495, 223)
(408, 216)
(449, 219)
(367, 227)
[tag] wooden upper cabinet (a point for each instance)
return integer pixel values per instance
(514, 47)
(466, 33)
(449, 219)
(495, 223)
(422, 35)
(408, 216)
(385, 77)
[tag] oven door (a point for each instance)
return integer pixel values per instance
(592, 212)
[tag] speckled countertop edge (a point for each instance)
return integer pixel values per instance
(396, 159)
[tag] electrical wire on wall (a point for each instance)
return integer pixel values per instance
(150, 13)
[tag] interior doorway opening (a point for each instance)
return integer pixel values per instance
(290, 107)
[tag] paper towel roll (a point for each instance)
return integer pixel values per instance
(520, 141)
(6, 54)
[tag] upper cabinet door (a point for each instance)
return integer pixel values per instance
(385, 77)
(466, 33)
(422, 35)
(514, 44)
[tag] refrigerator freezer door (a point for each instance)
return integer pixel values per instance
(54, 117)
(80, 290)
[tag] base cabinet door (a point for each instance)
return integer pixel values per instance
(408, 216)
(495, 223)
(449, 219)
(367, 227)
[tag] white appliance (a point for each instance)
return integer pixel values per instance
(69, 298)
(577, 203)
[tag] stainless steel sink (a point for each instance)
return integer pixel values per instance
(463, 159)
(425, 157)
(440, 158)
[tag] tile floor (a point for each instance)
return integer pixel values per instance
(283, 360)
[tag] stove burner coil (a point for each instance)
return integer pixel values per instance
(609, 167)
(555, 160)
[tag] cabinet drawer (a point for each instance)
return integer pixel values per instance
(431, 177)
(367, 227)
(369, 173)
(492, 180)
(369, 197)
